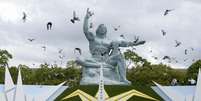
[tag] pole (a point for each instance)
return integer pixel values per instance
(101, 96)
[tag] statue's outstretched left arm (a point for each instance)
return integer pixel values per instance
(128, 44)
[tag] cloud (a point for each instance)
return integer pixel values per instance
(136, 17)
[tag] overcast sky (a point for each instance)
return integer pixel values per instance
(143, 18)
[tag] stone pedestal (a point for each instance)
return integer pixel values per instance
(90, 76)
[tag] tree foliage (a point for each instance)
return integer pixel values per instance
(4, 57)
(192, 71)
(135, 58)
(44, 75)
(145, 75)
(142, 73)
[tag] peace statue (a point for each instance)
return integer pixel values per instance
(106, 53)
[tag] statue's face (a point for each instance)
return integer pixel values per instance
(101, 31)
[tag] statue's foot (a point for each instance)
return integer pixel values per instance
(126, 81)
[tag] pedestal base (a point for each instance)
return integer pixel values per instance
(90, 76)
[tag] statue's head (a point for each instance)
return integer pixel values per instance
(101, 31)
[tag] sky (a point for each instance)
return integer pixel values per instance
(143, 18)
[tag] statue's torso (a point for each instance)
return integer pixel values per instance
(99, 47)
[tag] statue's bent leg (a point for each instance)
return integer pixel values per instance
(87, 63)
(122, 71)
(121, 67)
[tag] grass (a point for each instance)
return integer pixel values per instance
(111, 90)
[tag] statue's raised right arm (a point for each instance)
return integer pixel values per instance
(89, 35)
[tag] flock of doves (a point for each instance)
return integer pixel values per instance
(177, 44)
(75, 19)
(49, 25)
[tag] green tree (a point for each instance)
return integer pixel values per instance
(135, 58)
(160, 73)
(144, 75)
(14, 73)
(73, 73)
(4, 57)
(2, 72)
(27, 74)
(192, 71)
(42, 74)
(144, 72)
